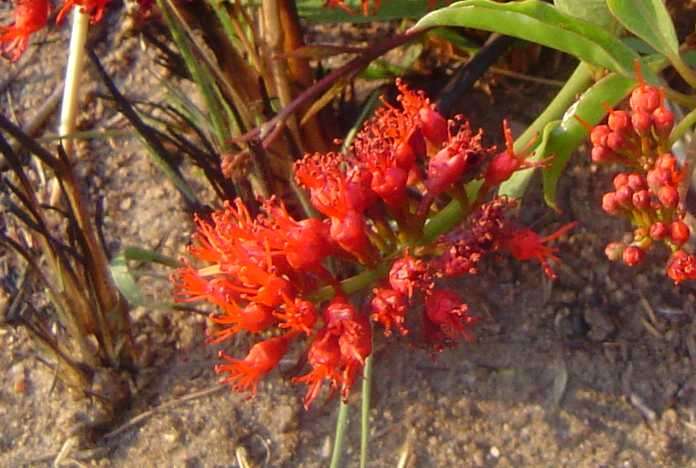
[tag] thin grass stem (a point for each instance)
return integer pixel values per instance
(341, 425)
(365, 410)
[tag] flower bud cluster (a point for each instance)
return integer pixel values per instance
(268, 274)
(649, 194)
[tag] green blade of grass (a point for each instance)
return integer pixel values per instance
(200, 76)
(341, 425)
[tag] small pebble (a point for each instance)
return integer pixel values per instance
(325, 451)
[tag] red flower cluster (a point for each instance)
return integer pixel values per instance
(263, 271)
(31, 16)
(649, 194)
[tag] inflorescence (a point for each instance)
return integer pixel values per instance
(649, 193)
(267, 274)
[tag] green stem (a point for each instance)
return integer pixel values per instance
(365, 410)
(680, 98)
(579, 81)
(684, 126)
(372, 102)
(354, 283)
(341, 424)
(684, 70)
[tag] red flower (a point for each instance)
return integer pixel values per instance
(431, 122)
(466, 246)
(252, 318)
(327, 183)
(305, 244)
(297, 315)
(445, 309)
(397, 132)
(346, 332)
(409, 274)
(462, 153)
(94, 8)
(334, 194)
(525, 244)
(30, 16)
(355, 344)
(325, 359)
(681, 267)
(338, 312)
(377, 155)
(389, 308)
(244, 374)
(350, 232)
(504, 164)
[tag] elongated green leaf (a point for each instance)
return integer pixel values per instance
(569, 133)
(649, 20)
(381, 69)
(125, 281)
(578, 83)
(594, 11)
(539, 22)
(149, 256)
(200, 74)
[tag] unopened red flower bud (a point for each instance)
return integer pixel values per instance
(615, 141)
(681, 267)
(624, 196)
(404, 155)
(409, 150)
(668, 196)
(641, 199)
(666, 161)
(645, 98)
(614, 251)
(641, 122)
(654, 179)
(601, 154)
(433, 126)
(609, 203)
(637, 182)
(679, 232)
(633, 255)
(663, 121)
(620, 180)
(619, 121)
(658, 231)
(598, 136)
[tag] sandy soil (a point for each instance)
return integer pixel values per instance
(593, 370)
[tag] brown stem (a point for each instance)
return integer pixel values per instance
(271, 129)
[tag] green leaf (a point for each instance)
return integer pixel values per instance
(593, 11)
(578, 83)
(562, 138)
(457, 40)
(199, 73)
(649, 20)
(536, 21)
(149, 256)
(381, 69)
(125, 281)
